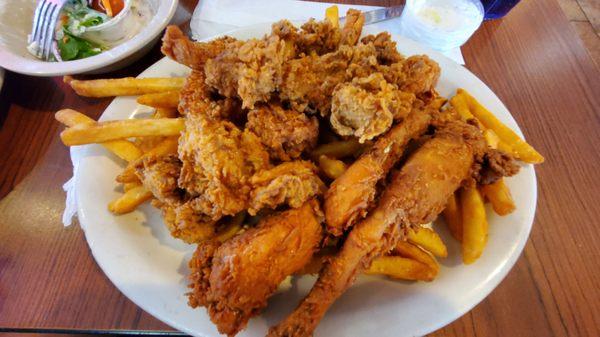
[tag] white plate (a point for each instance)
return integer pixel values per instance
(150, 268)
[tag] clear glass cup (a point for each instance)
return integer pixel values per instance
(441, 24)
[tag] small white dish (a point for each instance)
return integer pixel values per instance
(146, 264)
(15, 25)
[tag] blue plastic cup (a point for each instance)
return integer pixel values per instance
(495, 9)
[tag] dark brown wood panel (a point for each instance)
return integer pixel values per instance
(532, 59)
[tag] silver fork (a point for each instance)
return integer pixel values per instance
(44, 23)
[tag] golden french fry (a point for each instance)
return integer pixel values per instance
(453, 217)
(121, 148)
(165, 113)
(129, 201)
(475, 226)
(232, 228)
(522, 149)
(502, 146)
(167, 99)
(409, 250)
(499, 196)
(460, 105)
(106, 131)
(429, 240)
(491, 138)
(332, 168)
(167, 146)
(126, 86)
(338, 149)
(146, 144)
(332, 15)
(129, 186)
(401, 268)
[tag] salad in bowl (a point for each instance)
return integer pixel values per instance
(89, 27)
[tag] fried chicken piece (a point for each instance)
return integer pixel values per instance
(416, 195)
(186, 220)
(366, 107)
(218, 161)
(192, 54)
(291, 183)
(352, 29)
(350, 195)
(321, 37)
(182, 215)
(387, 53)
(285, 133)
(234, 280)
(159, 174)
(494, 165)
(254, 69)
(318, 37)
(308, 82)
(420, 74)
(250, 70)
(196, 98)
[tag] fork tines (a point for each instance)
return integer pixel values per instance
(44, 23)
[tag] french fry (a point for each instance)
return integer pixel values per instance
(129, 201)
(409, 250)
(502, 146)
(475, 226)
(123, 149)
(499, 196)
(125, 86)
(332, 15)
(165, 113)
(146, 144)
(429, 240)
(332, 168)
(106, 131)
(338, 149)
(522, 149)
(129, 186)
(167, 99)
(460, 105)
(491, 138)
(167, 146)
(232, 228)
(401, 268)
(453, 217)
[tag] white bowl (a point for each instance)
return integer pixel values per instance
(15, 25)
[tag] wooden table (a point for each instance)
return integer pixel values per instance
(531, 59)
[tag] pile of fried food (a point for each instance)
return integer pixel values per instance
(309, 150)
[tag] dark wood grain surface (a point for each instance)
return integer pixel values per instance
(531, 59)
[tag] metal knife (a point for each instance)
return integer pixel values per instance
(379, 15)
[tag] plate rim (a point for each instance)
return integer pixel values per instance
(460, 311)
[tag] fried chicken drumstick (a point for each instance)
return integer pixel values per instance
(235, 279)
(349, 196)
(416, 195)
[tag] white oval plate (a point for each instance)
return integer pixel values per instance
(138, 255)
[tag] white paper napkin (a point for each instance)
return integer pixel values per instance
(214, 17)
